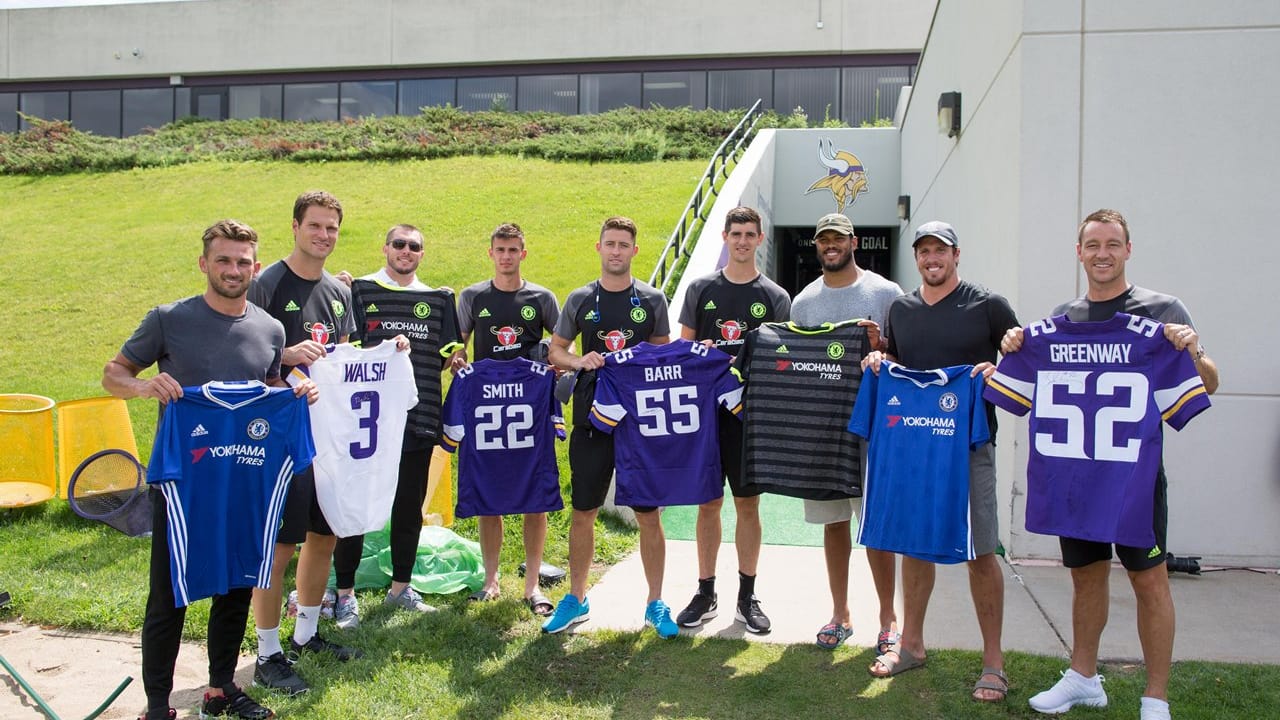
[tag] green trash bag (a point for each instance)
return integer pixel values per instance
(445, 562)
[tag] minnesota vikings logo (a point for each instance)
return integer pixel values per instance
(506, 334)
(615, 340)
(730, 329)
(846, 178)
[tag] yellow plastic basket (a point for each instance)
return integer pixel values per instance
(27, 471)
(438, 509)
(88, 426)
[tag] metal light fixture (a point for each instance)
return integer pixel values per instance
(949, 113)
(904, 207)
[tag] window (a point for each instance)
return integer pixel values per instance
(255, 101)
(417, 94)
(147, 109)
(96, 111)
(368, 99)
(604, 92)
(815, 90)
(676, 89)
(492, 93)
(8, 112)
(553, 93)
(311, 101)
(739, 89)
(45, 105)
(872, 92)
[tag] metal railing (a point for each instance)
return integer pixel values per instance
(680, 245)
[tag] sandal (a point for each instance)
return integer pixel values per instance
(885, 641)
(895, 666)
(837, 634)
(481, 596)
(539, 604)
(1000, 684)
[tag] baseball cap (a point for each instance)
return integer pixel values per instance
(938, 229)
(834, 221)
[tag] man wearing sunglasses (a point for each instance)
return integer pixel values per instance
(391, 302)
(505, 317)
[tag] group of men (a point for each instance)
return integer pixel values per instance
(270, 322)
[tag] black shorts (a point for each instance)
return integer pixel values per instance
(1078, 553)
(591, 468)
(732, 433)
(301, 511)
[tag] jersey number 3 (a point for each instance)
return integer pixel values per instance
(368, 422)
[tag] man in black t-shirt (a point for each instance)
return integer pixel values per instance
(719, 310)
(948, 321)
(315, 309)
(505, 318)
(612, 313)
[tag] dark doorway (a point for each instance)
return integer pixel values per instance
(209, 103)
(798, 262)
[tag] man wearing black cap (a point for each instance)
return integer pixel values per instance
(945, 322)
(844, 292)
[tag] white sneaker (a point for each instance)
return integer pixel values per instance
(1073, 689)
(1153, 709)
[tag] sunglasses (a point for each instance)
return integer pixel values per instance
(399, 244)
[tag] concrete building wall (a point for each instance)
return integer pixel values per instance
(224, 36)
(1158, 110)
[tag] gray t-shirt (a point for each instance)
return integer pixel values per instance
(869, 297)
(196, 344)
(1135, 301)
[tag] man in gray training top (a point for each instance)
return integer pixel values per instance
(218, 335)
(844, 292)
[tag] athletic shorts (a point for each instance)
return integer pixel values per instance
(826, 512)
(591, 468)
(732, 433)
(1078, 553)
(302, 511)
(983, 521)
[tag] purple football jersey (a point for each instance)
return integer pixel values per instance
(505, 418)
(660, 403)
(1098, 392)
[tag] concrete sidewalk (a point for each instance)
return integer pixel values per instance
(1226, 616)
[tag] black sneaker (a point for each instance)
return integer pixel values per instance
(750, 614)
(276, 673)
(318, 644)
(233, 704)
(701, 608)
(170, 715)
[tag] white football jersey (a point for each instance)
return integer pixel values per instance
(358, 427)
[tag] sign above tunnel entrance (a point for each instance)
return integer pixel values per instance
(854, 171)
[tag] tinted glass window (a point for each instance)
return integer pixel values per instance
(739, 89)
(45, 105)
(311, 101)
(676, 89)
(368, 99)
(417, 94)
(815, 90)
(149, 108)
(493, 93)
(554, 93)
(255, 101)
(603, 92)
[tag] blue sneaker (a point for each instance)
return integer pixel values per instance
(658, 615)
(569, 612)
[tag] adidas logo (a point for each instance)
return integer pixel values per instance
(893, 401)
(372, 308)
(782, 349)
(199, 431)
(484, 313)
(711, 305)
(292, 307)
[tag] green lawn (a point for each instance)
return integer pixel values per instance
(82, 257)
